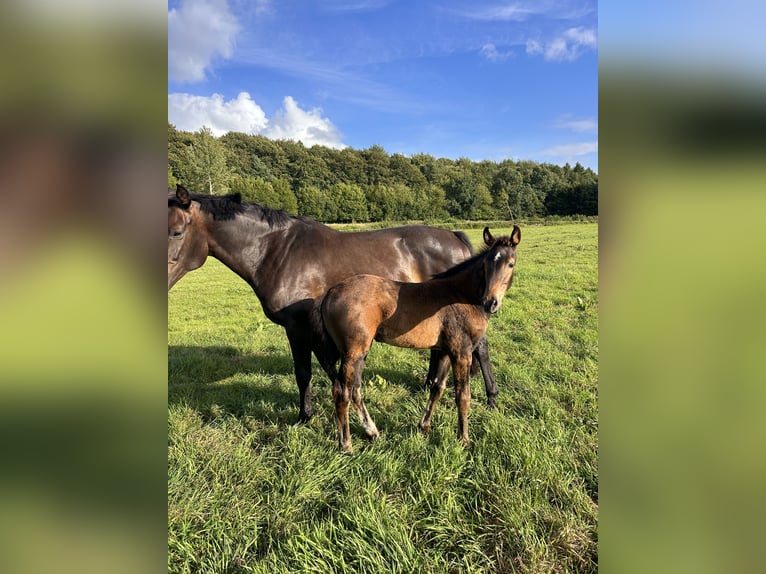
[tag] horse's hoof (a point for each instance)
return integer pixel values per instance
(425, 429)
(491, 403)
(302, 420)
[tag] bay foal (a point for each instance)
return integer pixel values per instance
(449, 313)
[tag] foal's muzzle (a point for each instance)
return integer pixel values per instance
(491, 305)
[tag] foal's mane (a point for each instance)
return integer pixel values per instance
(503, 241)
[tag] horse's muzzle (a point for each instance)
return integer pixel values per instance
(491, 305)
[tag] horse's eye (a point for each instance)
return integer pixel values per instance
(175, 234)
(511, 264)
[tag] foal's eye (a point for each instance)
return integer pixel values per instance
(175, 234)
(511, 264)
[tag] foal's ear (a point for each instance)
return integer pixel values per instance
(516, 236)
(182, 195)
(488, 239)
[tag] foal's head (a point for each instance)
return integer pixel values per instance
(498, 264)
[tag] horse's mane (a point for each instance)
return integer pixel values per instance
(503, 241)
(227, 207)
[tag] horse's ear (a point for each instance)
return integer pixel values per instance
(182, 195)
(488, 239)
(516, 236)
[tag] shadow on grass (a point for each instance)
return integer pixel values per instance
(207, 379)
(197, 378)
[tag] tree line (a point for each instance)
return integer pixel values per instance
(350, 185)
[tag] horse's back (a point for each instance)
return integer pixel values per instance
(425, 250)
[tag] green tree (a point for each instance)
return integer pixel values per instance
(172, 181)
(253, 189)
(467, 197)
(315, 203)
(376, 165)
(351, 202)
(205, 166)
(285, 198)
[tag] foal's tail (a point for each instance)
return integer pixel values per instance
(322, 344)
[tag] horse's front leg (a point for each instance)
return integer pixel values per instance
(300, 346)
(461, 368)
(481, 354)
(441, 371)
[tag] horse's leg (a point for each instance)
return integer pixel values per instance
(356, 398)
(340, 398)
(433, 367)
(342, 392)
(300, 345)
(461, 368)
(437, 388)
(481, 354)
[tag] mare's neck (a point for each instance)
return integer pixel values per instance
(241, 244)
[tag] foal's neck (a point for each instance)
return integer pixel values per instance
(462, 287)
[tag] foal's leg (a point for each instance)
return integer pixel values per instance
(351, 368)
(481, 354)
(356, 397)
(461, 368)
(300, 345)
(433, 367)
(437, 388)
(340, 397)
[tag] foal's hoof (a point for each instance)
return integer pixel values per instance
(424, 428)
(491, 403)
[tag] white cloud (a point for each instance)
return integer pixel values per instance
(567, 47)
(571, 149)
(190, 113)
(309, 127)
(243, 114)
(198, 32)
(567, 122)
(503, 13)
(354, 5)
(492, 54)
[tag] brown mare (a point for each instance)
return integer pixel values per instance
(290, 261)
(448, 313)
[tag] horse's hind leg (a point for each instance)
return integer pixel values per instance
(367, 423)
(433, 367)
(481, 354)
(356, 398)
(437, 388)
(351, 367)
(340, 397)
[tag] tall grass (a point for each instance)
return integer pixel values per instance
(248, 492)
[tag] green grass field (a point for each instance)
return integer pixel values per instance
(250, 493)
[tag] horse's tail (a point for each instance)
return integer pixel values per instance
(323, 346)
(464, 238)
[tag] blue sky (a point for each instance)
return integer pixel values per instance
(485, 79)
